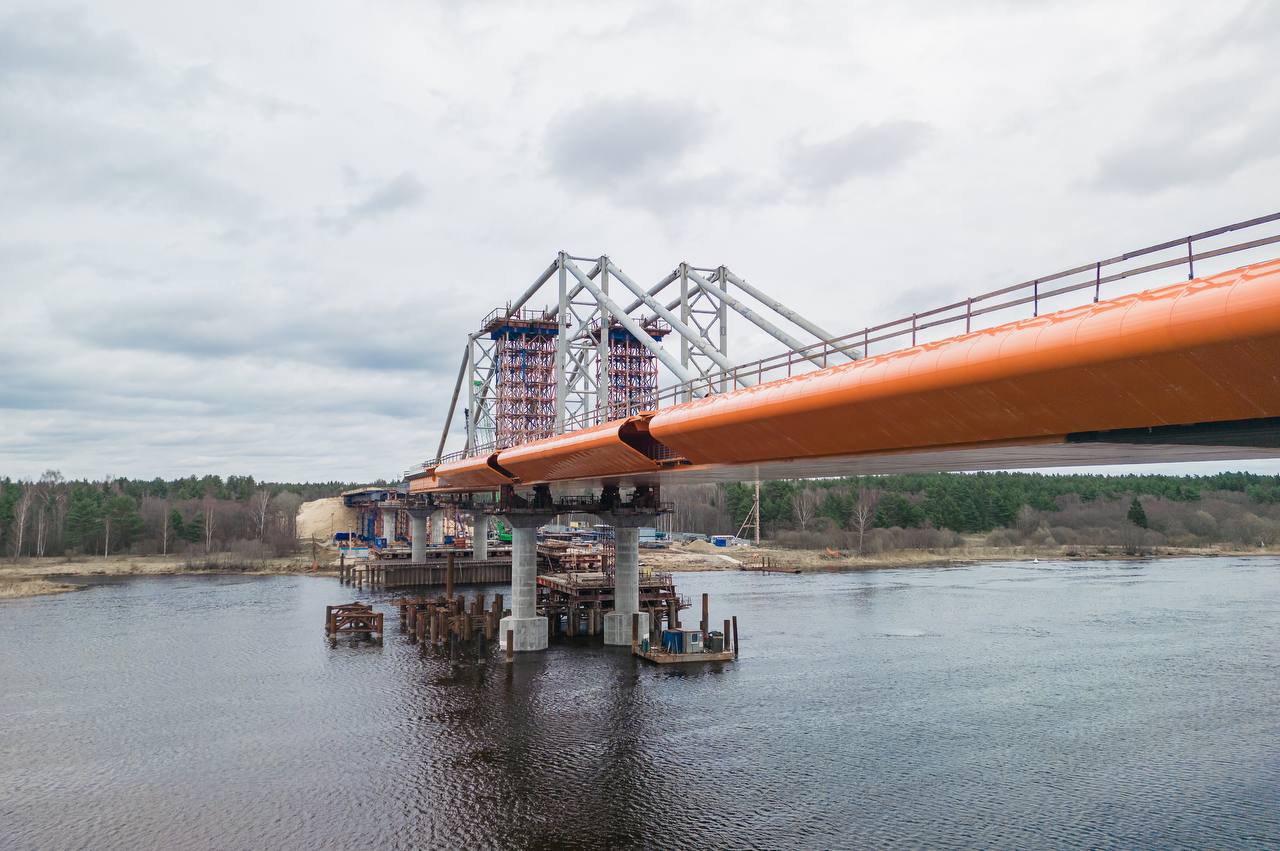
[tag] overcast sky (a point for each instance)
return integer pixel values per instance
(249, 237)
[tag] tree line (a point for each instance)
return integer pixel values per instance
(1054, 508)
(970, 502)
(54, 516)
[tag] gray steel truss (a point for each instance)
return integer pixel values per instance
(590, 322)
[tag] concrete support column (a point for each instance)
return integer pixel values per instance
(437, 528)
(389, 525)
(626, 588)
(479, 536)
(530, 631)
(417, 535)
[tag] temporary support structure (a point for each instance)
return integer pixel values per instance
(588, 358)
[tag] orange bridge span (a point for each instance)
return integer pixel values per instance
(1185, 372)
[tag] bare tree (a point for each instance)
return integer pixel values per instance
(805, 502)
(863, 515)
(284, 506)
(156, 511)
(208, 506)
(259, 508)
(42, 511)
(20, 513)
(50, 507)
(43, 499)
(58, 511)
(165, 523)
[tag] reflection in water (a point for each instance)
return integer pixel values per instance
(1019, 706)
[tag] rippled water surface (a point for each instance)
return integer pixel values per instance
(1020, 706)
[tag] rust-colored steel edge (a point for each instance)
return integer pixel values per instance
(478, 472)
(1202, 351)
(425, 482)
(608, 449)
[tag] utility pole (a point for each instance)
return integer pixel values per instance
(757, 510)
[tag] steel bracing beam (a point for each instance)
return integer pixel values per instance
(754, 318)
(479, 406)
(531, 292)
(782, 310)
(675, 322)
(630, 324)
(654, 290)
(562, 346)
(591, 273)
(453, 400)
(603, 380)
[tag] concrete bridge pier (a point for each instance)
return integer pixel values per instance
(626, 589)
(479, 536)
(418, 535)
(437, 528)
(389, 525)
(530, 631)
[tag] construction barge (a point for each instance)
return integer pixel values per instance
(677, 645)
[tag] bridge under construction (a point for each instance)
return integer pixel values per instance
(585, 406)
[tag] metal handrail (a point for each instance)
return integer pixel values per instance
(1028, 292)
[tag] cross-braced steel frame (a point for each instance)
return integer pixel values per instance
(591, 358)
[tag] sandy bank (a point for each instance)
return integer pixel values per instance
(320, 518)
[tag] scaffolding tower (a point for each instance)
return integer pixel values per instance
(631, 378)
(524, 356)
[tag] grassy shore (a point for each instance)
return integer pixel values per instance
(29, 577)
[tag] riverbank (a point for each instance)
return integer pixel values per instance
(31, 577)
(701, 556)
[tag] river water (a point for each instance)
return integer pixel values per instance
(1123, 705)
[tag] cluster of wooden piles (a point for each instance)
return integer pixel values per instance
(436, 621)
(766, 564)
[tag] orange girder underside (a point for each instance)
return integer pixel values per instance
(474, 473)
(591, 452)
(1203, 351)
